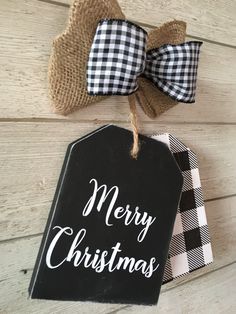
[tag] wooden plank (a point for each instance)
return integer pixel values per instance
(213, 293)
(205, 19)
(27, 31)
(17, 261)
(32, 155)
(18, 257)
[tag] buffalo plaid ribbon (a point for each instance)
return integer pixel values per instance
(118, 57)
(190, 246)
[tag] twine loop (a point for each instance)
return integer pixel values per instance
(134, 123)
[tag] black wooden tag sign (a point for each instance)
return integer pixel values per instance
(111, 221)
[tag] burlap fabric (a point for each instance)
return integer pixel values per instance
(68, 61)
(151, 99)
(70, 51)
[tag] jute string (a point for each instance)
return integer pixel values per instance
(134, 123)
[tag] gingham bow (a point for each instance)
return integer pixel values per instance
(118, 57)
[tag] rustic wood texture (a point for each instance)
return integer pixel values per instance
(32, 153)
(214, 21)
(197, 296)
(19, 256)
(25, 48)
(33, 141)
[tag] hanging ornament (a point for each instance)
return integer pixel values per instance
(128, 212)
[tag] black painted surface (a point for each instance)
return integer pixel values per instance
(153, 182)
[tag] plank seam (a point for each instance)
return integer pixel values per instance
(219, 198)
(25, 237)
(66, 5)
(178, 285)
(118, 309)
(60, 4)
(41, 233)
(200, 276)
(98, 121)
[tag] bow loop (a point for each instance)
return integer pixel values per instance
(116, 59)
(173, 69)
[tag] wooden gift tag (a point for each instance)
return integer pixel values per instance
(111, 221)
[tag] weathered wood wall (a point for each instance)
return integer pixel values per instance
(33, 141)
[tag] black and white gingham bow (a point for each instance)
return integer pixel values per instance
(118, 57)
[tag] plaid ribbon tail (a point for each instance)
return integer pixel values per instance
(190, 246)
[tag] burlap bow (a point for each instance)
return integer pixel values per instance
(67, 73)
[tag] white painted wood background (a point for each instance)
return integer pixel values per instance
(33, 141)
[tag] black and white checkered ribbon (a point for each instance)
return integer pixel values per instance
(190, 246)
(118, 57)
